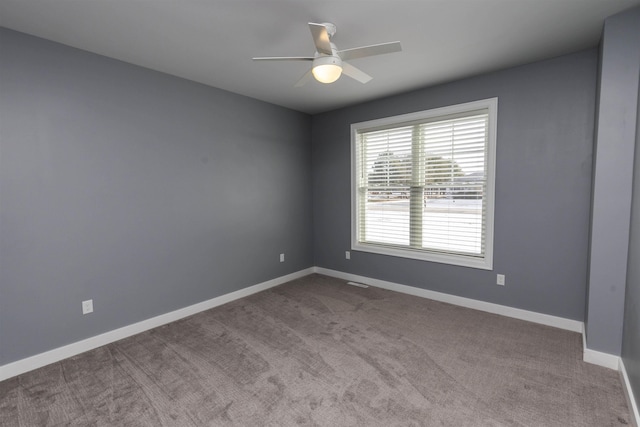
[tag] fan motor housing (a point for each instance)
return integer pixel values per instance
(327, 60)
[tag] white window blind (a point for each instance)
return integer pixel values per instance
(424, 187)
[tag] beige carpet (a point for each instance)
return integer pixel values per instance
(319, 352)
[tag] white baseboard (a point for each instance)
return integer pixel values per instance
(598, 357)
(39, 360)
(633, 408)
(530, 316)
(601, 359)
(591, 356)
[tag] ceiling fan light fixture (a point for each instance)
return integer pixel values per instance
(327, 69)
(329, 63)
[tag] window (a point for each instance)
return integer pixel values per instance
(423, 184)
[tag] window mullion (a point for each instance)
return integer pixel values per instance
(362, 188)
(417, 188)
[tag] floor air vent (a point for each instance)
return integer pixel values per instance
(360, 285)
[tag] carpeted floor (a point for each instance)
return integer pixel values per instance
(316, 351)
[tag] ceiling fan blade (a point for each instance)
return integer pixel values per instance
(320, 38)
(284, 58)
(304, 79)
(375, 49)
(355, 73)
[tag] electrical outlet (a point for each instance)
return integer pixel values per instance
(281, 257)
(87, 306)
(500, 279)
(347, 254)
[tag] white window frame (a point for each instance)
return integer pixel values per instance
(486, 262)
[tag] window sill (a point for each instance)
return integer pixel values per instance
(485, 263)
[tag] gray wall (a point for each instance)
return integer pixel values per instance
(140, 190)
(543, 187)
(631, 336)
(615, 140)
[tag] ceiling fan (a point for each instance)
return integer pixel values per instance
(329, 63)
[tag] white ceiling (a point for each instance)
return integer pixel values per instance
(213, 41)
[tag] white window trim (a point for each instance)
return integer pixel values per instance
(485, 263)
